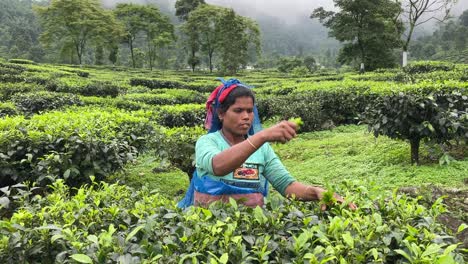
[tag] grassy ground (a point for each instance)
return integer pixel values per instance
(327, 157)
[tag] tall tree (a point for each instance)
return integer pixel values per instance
(367, 29)
(417, 12)
(158, 30)
(130, 15)
(184, 7)
(78, 21)
(203, 28)
(237, 35)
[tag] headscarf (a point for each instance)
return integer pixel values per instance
(217, 97)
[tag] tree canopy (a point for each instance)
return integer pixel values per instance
(74, 23)
(367, 29)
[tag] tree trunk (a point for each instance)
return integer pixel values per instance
(131, 52)
(405, 59)
(415, 150)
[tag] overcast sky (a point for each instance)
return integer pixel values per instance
(287, 10)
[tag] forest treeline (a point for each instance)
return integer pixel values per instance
(210, 37)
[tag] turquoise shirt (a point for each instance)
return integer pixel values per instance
(261, 166)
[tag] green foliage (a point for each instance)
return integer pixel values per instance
(75, 24)
(203, 29)
(188, 115)
(7, 90)
(185, 7)
(166, 97)
(439, 116)
(169, 83)
(298, 121)
(20, 31)
(288, 64)
(428, 66)
(21, 61)
(178, 147)
(300, 71)
(96, 88)
(7, 109)
(156, 83)
(243, 33)
(72, 144)
(117, 222)
(35, 102)
(368, 30)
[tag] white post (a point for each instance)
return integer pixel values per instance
(361, 69)
(405, 58)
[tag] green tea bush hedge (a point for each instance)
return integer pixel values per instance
(35, 102)
(428, 66)
(167, 97)
(95, 88)
(21, 61)
(181, 115)
(71, 144)
(173, 84)
(110, 223)
(178, 147)
(7, 90)
(156, 83)
(7, 109)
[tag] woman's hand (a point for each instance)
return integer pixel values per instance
(320, 192)
(282, 132)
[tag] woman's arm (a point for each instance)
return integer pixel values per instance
(233, 157)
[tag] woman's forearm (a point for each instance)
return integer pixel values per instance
(232, 158)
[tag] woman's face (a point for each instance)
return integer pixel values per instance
(239, 116)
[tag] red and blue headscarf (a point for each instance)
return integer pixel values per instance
(216, 98)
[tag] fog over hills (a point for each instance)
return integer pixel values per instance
(285, 25)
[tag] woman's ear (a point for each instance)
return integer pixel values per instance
(220, 115)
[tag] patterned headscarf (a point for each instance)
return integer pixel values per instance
(216, 98)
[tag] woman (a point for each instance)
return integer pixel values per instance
(235, 160)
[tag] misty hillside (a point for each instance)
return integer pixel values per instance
(285, 32)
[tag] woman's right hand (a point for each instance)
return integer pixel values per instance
(282, 132)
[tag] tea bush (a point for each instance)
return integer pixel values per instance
(110, 223)
(7, 109)
(35, 102)
(181, 115)
(428, 66)
(71, 144)
(7, 90)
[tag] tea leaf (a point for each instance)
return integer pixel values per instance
(81, 258)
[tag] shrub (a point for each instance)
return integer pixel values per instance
(428, 66)
(71, 144)
(35, 102)
(95, 88)
(7, 109)
(114, 223)
(7, 90)
(156, 83)
(178, 147)
(188, 115)
(21, 61)
(439, 116)
(300, 71)
(166, 97)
